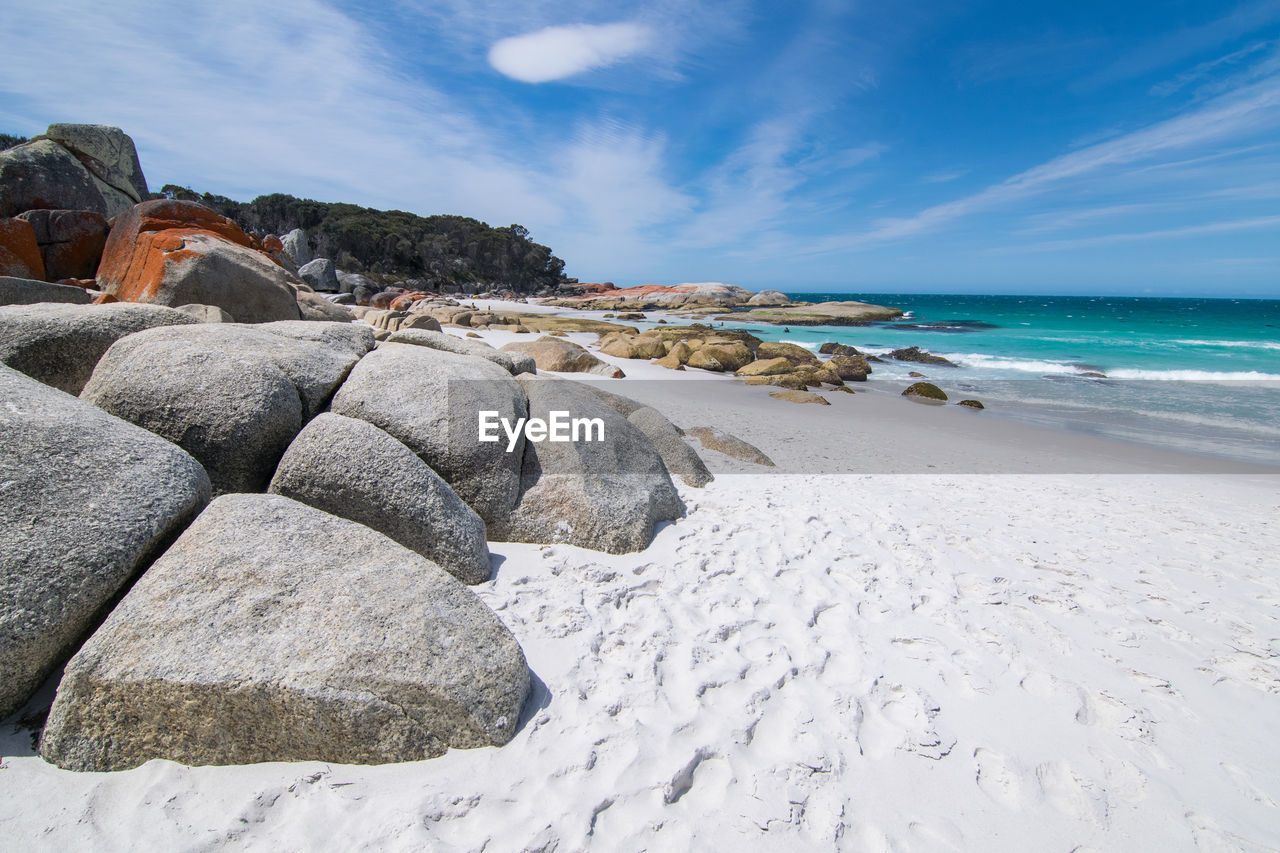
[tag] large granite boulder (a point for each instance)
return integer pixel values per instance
(354, 470)
(111, 158)
(60, 344)
(296, 247)
(232, 396)
(26, 291)
(766, 367)
(430, 400)
(925, 392)
(320, 274)
(793, 353)
(70, 241)
(605, 493)
(680, 459)
(769, 298)
(562, 356)
(730, 356)
(632, 346)
(272, 631)
(41, 174)
(853, 368)
(87, 501)
(312, 306)
(351, 338)
(915, 355)
(19, 252)
(513, 362)
(173, 252)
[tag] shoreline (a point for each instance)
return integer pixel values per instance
(909, 437)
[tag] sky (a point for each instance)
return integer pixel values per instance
(914, 146)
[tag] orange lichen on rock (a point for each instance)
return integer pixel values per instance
(126, 241)
(19, 252)
(404, 301)
(154, 251)
(104, 299)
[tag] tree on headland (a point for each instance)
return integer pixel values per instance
(8, 140)
(441, 249)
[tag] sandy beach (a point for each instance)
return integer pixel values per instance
(1049, 642)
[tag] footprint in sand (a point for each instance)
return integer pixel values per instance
(996, 780)
(1063, 791)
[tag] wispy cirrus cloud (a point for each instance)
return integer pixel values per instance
(554, 53)
(1251, 224)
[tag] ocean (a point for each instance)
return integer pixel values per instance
(1199, 375)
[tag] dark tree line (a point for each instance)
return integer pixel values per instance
(440, 249)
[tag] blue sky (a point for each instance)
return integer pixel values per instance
(938, 146)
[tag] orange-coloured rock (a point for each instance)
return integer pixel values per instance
(173, 252)
(19, 252)
(405, 301)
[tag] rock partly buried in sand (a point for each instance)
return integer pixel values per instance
(730, 445)
(601, 494)
(87, 500)
(272, 631)
(680, 459)
(925, 392)
(766, 367)
(26, 291)
(818, 314)
(59, 344)
(799, 397)
(171, 252)
(794, 381)
(851, 368)
(430, 400)
(563, 357)
(971, 404)
(919, 356)
(354, 470)
(632, 346)
(232, 396)
(513, 363)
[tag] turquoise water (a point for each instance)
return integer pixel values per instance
(1201, 375)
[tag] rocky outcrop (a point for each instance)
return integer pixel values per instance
(632, 346)
(320, 274)
(272, 631)
(513, 363)
(680, 459)
(25, 291)
(313, 306)
(19, 252)
(232, 396)
(429, 400)
(111, 158)
(42, 175)
(562, 357)
(70, 241)
(711, 293)
(60, 344)
(818, 314)
(296, 247)
(87, 501)
(766, 367)
(793, 353)
(603, 494)
(919, 356)
(730, 445)
(172, 252)
(354, 470)
(769, 298)
(851, 368)
(925, 392)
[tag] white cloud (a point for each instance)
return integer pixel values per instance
(1252, 224)
(559, 52)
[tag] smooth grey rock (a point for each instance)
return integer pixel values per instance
(207, 313)
(430, 400)
(314, 307)
(606, 495)
(354, 338)
(233, 410)
(272, 631)
(110, 156)
(562, 356)
(349, 281)
(87, 500)
(513, 363)
(354, 470)
(315, 364)
(730, 445)
(59, 344)
(27, 291)
(680, 459)
(41, 174)
(320, 274)
(296, 247)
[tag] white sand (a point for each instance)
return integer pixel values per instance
(851, 662)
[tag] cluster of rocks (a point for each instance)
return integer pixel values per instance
(250, 522)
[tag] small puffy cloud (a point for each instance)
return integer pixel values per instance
(559, 52)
